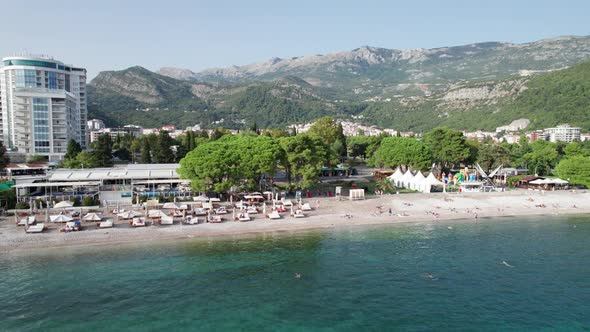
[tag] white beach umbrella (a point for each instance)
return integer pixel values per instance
(170, 206)
(92, 217)
(63, 204)
(60, 218)
(417, 181)
(129, 214)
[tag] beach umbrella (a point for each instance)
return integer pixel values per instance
(61, 218)
(169, 206)
(128, 214)
(63, 204)
(92, 217)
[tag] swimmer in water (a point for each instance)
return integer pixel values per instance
(504, 262)
(427, 276)
(297, 275)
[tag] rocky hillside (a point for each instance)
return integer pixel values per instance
(477, 86)
(384, 68)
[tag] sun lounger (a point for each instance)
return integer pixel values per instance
(193, 220)
(306, 207)
(106, 224)
(252, 210)
(166, 220)
(221, 210)
(27, 220)
(215, 219)
(138, 222)
(36, 228)
(274, 215)
(244, 217)
(298, 214)
(200, 212)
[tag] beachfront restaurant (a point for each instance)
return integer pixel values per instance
(56, 190)
(118, 184)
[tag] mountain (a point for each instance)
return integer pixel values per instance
(139, 96)
(390, 67)
(478, 86)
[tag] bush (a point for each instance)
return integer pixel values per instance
(75, 200)
(88, 201)
(22, 206)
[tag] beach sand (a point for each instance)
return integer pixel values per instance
(433, 208)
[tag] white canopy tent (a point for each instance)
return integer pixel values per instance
(430, 182)
(406, 179)
(416, 183)
(396, 176)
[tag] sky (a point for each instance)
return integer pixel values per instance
(199, 34)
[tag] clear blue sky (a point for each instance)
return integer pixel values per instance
(116, 34)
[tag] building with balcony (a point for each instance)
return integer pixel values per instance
(562, 133)
(42, 106)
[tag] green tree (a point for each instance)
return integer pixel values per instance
(542, 157)
(103, 151)
(146, 150)
(330, 132)
(448, 146)
(304, 156)
(402, 151)
(73, 149)
(163, 149)
(575, 169)
(493, 155)
(230, 161)
(575, 149)
(4, 160)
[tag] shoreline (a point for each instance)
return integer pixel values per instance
(406, 208)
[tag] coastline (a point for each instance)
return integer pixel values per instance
(406, 208)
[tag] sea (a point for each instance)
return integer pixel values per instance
(501, 274)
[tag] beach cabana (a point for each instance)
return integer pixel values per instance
(92, 217)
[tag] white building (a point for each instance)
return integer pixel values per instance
(43, 105)
(95, 124)
(562, 133)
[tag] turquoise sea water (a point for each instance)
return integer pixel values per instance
(402, 277)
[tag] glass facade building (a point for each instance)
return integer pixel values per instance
(42, 105)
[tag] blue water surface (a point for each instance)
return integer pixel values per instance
(498, 274)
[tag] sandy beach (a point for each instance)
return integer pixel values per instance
(474, 207)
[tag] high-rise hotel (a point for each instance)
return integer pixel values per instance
(43, 106)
